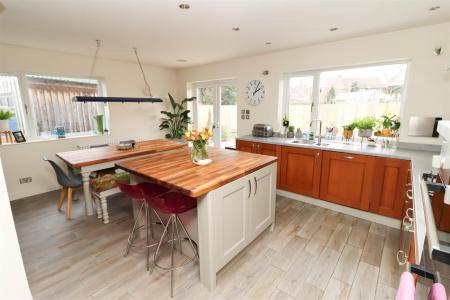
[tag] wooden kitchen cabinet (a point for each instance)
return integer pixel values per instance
(245, 146)
(441, 210)
(300, 170)
(262, 148)
(389, 180)
(347, 179)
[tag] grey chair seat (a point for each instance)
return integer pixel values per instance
(65, 180)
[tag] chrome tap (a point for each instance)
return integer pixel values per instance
(319, 138)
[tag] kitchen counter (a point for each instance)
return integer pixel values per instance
(174, 169)
(235, 194)
(421, 162)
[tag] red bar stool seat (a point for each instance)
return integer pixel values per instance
(173, 203)
(136, 192)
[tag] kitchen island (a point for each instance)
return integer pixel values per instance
(235, 196)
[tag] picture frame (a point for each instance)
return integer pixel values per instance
(19, 137)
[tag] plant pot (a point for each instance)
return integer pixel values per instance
(348, 134)
(386, 132)
(290, 134)
(4, 125)
(365, 133)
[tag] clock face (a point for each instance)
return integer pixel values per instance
(255, 92)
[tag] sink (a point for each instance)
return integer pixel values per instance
(308, 142)
(305, 142)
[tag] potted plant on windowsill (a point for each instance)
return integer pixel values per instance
(365, 126)
(348, 130)
(5, 116)
(176, 121)
(291, 132)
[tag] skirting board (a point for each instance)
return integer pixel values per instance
(394, 223)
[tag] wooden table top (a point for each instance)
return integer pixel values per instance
(88, 157)
(174, 169)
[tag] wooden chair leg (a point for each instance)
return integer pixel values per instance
(97, 206)
(69, 203)
(104, 204)
(62, 195)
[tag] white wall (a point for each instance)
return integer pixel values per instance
(13, 280)
(428, 90)
(129, 119)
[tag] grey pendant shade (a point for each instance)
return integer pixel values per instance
(149, 99)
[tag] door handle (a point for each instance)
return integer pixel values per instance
(348, 157)
(250, 189)
(256, 185)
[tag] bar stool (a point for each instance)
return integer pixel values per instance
(172, 203)
(136, 192)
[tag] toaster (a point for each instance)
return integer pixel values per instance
(262, 130)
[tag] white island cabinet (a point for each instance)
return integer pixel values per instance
(242, 210)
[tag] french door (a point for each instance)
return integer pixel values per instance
(216, 108)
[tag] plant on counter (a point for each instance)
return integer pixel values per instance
(290, 132)
(5, 115)
(365, 126)
(285, 121)
(177, 120)
(199, 140)
(348, 130)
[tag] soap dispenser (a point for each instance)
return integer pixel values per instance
(298, 133)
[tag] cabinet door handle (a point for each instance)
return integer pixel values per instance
(250, 189)
(409, 194)
(402, 257)
(256, 185)
(348, 157)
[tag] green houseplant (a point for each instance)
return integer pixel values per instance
(176, 121)
(290, 132)
(5, 115)
(365, 126)
(348, 130)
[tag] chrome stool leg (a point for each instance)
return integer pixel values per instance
(133, 229)
(173, 222)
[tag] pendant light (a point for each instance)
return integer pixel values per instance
(86, 99)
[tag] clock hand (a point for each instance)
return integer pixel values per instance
(256, 91)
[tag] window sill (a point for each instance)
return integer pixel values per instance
(53, 138)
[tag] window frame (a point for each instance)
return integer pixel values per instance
(28, 115)
(216, 84)
(316, 73)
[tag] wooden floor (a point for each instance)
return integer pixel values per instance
(313, 253)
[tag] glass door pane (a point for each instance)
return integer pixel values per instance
(300, 99)
(206, 97)
(228, 115)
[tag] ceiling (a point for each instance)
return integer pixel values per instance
(164, 33)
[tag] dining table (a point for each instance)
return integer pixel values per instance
(101, 158)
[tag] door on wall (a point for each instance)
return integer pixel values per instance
(216, 108)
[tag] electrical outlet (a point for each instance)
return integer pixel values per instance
(25, 180)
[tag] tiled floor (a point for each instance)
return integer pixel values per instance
(313, 253)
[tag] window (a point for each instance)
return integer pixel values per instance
(46, 102)
(216, 107)
(339, 96)
(10, 99)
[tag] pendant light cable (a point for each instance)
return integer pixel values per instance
(99, 43)
(142, 71)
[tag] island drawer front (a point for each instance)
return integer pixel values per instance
(242, 210)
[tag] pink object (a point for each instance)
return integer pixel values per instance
(407, 288)
(171, 202)
(437, 292)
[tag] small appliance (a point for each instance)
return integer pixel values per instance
(262, 130)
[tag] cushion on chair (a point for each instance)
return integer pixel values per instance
(109, 181)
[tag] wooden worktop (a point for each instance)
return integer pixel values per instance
(174, 169)
(88, 157)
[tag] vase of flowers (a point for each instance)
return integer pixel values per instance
(199, 139)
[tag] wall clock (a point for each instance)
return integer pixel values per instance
(255, 92)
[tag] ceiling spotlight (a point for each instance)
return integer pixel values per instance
(334, 28)
(268, 43)
(235, 28)
(433, 8)
(184, 6)
(181, 60)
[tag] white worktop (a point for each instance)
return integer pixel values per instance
(420, 163)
